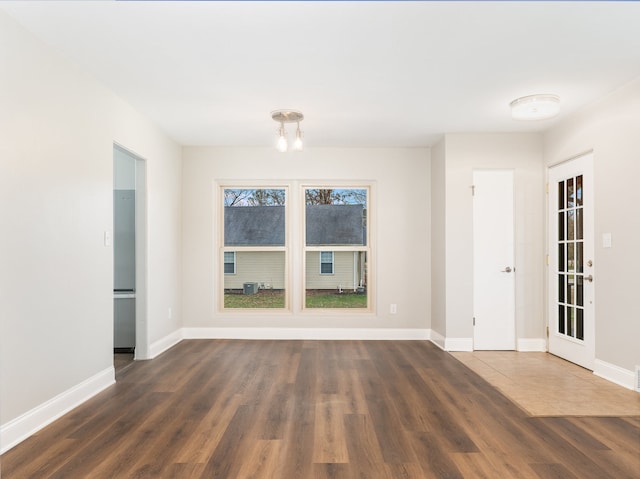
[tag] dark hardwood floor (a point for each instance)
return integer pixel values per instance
(317, 409)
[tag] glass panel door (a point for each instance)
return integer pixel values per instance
(571, 261)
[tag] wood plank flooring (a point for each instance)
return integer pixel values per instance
(317, 409)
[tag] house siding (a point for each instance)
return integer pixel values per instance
(263, 267)
(343, 262)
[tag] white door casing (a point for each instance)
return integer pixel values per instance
(493, 260)
(571, 261)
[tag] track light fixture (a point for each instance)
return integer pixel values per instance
(288, 116)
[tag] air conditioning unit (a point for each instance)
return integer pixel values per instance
(250, 288)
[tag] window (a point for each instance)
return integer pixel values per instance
(254, 250)
(330, 240)
(229, 262)
(326, 262)
(336, 218)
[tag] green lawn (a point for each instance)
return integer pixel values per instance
(270, 299)
(263, 299)
(333, 300)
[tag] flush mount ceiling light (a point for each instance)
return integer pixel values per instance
(535, 107)
(288, 116)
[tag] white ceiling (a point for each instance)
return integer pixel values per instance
(363, 73)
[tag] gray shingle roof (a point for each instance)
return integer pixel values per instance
(254, 226)
(335, 225)
(265, 225)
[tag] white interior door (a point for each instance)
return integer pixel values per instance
(571, 268)
(493, 260)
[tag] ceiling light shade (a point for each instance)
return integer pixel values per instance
(297, 144)
(288, 116)
(283, 145)
(535, 107)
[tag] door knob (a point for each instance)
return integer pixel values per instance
(507, 270)
(588, 278)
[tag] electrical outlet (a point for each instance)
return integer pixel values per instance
(393, 309)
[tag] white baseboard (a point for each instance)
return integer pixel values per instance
(306, 333)
(161, 345)
(20, 428)
(437, 339)
(458, 344)
(532, 345)
(615, 374)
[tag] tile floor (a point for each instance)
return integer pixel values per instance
(545, 385)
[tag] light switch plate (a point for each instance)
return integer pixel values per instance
(606, 240)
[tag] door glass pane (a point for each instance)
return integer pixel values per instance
(570, 194)
(561, 226)
(579, 291)
(579, 228)
(570, 257)
(570, 225)
(571, 312)
(561, 281)
(561, 263)
(580, 325)
(561, 195)
(571, 280)
(579, 262)
(561, 319)
(579, 190)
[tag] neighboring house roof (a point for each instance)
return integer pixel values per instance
(264, 225)
(335, 225)
(254, 225)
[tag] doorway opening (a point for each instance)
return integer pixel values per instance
(129, 249)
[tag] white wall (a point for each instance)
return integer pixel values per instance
(610, 128)
(523, 154)
(57, 128)
(401, 228)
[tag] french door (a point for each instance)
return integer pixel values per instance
(571, 266)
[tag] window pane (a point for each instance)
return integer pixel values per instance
(561, 263)
(336, 216)
(561, 286)
(254, 217)
(259, 281)
(561, 195)
(345, 288)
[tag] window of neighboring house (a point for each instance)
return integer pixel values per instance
(326, 262)
(254, 250)
(337, 219)
(229, 262)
